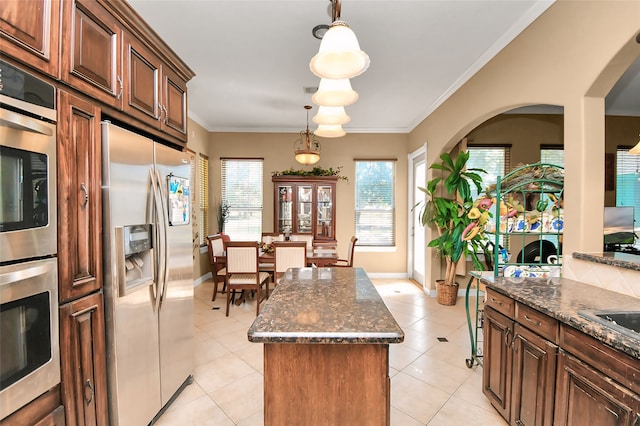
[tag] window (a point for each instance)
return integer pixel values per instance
(552, 154)
(375, 202)
(242, 191)
(494, 159)
(628, 181)
(203, 197)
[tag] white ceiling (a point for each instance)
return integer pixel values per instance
(251, 58)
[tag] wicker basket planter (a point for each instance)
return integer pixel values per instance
(447, 294)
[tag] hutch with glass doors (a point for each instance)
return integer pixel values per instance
(305, 205)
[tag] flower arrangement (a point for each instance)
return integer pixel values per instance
(266, 247)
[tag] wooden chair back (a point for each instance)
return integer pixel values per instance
(288, 254)
(243, 272)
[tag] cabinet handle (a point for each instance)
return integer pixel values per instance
(166, 114)
(494, 300)
(538, 323)
(637, 422)
(86, 196)
(161, 108)
(506, 338)
(119, 95)
(89, 387)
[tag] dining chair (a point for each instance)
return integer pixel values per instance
(348, 262)
(217, 262)
(288, 254)
(243, 272)
(303, 237)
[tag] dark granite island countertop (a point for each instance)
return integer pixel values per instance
(326, 306)
(563, 299)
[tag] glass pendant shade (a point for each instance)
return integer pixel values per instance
(339, 55)
(334, 93)
(307, 157)
(331, 115)
(330, 131)
(635, 149)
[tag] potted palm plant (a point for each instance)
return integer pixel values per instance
(458, 220)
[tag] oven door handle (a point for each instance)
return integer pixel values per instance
(22, 122)
(24, 274)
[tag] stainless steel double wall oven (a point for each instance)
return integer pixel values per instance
(29, 346)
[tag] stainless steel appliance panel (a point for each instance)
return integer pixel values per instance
(148, 275)
(29, 353)
(131, 321)
(28, 219)
(176, 307)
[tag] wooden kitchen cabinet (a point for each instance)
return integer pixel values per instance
(588, 397)
(497, 365)
(91, 58)
(30, 33)
(539, 372)
(79, 197)
(305, 205)
(154, 93)
(46, 410)
(83, 361)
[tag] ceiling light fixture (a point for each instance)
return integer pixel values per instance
(331, 115)
(334, 93)
(330, 131)
(339, 55)
(307, 148)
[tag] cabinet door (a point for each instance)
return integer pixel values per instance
(587, 397)
(142, 95)
(534, 373)
(324, 221)
(30, 32)
(304, 218)
(83, 361)
(498, 356)
(174, 104)
(284, 208)
(92, 51)
(79, 197)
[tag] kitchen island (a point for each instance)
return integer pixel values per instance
(326, 335)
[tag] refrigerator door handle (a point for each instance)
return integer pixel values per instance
(158, 252)
(165, 221)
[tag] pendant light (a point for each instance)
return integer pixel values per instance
(331, 115)
(334, 93)
(330, 131)
(307, 148)
(339, 55)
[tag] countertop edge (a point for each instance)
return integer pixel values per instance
(617, 259)
(325, 338)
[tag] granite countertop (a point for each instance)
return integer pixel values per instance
(325, 306)
(619, 259)
(562, 299)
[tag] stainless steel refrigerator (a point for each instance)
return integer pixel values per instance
(148, 283)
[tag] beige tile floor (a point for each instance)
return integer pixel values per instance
(430, 384)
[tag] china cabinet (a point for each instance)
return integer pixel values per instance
(305, 205)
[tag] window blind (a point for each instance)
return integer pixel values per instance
(552, 155)
(496, 161)
(628, 181)
(242, 191)
(375, 203)
(203, 197)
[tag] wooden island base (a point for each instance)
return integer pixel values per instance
(326, 384)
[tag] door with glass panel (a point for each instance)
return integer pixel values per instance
(417, 245)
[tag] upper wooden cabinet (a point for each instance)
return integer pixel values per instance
(91, 51)
(29, 32)
(154, 93)
(111, 54)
